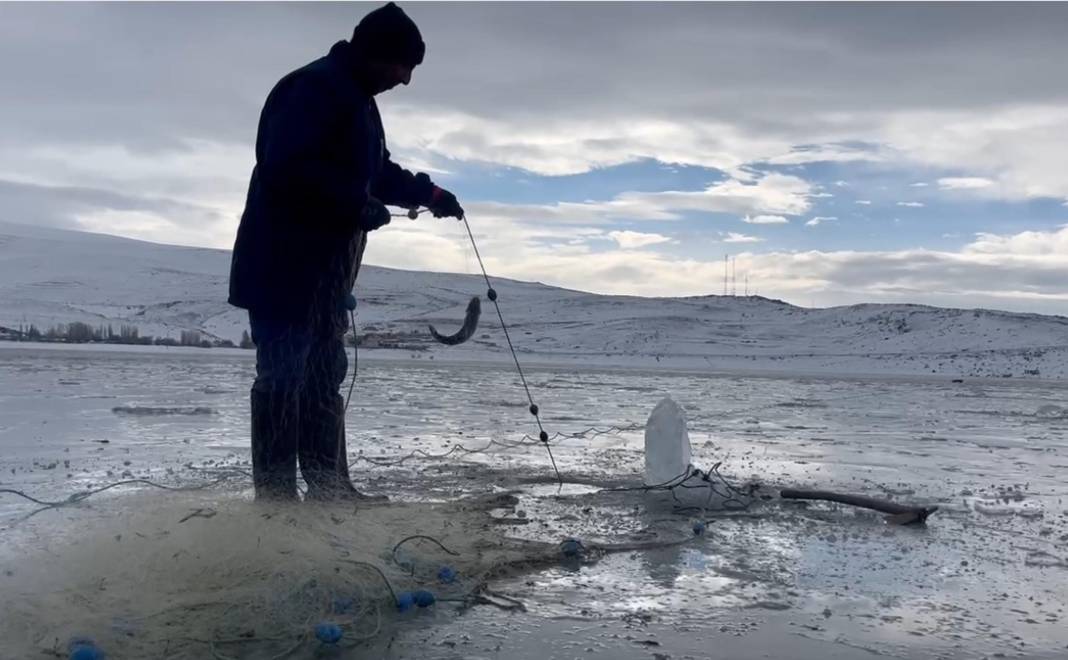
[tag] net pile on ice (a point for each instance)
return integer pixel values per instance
(195, 575)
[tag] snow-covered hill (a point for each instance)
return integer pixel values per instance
(50, 276)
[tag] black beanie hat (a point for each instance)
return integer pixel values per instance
(388, 34)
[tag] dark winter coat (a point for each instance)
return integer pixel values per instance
(320, 152)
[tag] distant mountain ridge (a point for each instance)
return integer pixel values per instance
(52, 276)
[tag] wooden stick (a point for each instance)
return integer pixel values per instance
(902, 514)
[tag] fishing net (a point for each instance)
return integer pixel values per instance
(201, 575)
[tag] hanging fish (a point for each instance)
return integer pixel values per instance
(474, 311)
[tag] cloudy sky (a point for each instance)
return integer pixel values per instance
(839, 152)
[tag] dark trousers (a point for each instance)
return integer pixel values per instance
(297, 410)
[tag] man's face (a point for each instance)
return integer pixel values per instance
(384, 76)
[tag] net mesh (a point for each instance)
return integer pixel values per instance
(195, 575)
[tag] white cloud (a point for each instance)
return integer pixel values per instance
(571, 145)
(765, 220)
(429, 248)
(1019, 148)
(913, 205)
(800, 155)
(629, 240)
(998, 116)
(734, 237)
(1027, 243)
(772, 194)
(819, 220)
(863, 202)
(133, 223)
(964, 183)
(1022, 271)
(918, 184)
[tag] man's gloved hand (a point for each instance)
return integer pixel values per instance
(443, 204)
(374, 215)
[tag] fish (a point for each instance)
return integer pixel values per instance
(474, 311)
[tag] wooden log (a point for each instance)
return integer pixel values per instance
(901, 514)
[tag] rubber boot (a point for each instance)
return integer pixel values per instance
(323, 455)
(275, 422)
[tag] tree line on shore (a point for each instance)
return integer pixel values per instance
(78, 332)
(83, 333)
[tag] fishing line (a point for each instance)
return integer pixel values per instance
(491, 293)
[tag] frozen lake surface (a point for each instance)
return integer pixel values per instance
(987, 577)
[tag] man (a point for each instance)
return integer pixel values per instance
(322, 179)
